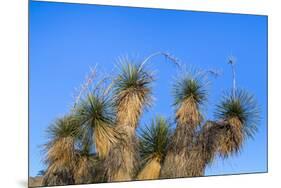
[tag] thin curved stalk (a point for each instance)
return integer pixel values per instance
(166, 55)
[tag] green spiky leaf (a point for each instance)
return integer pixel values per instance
(190, 85)
(241, 105)
(63, 127)
(154, 139)
(94, 111)
(132, 76)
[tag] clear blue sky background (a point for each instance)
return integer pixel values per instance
(65, 39)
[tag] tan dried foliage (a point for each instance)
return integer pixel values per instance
(123, 159)
(184, 158)
(84, 171)
(62, 152)
(208, 141)
(151, 170)
(183, 164)
(61, 159)
(130, 103)
(58, 176)
(105, 137)
(188, 113)
(231, 138)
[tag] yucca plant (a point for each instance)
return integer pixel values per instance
(240, 115)
(132, 94)
(60, 152)
(237, 118)
(189, 93)
(153, 146)
(95, 116)
(97, 142)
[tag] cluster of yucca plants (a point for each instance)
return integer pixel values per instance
(99, 140)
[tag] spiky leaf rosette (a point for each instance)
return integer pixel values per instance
(60, 152)
(154, 139)
(132, 93)
(190, 93)
(63, 127)
(153, 145)
(95, 115)
(240, 114)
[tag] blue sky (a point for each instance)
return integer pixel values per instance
(66, 39)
